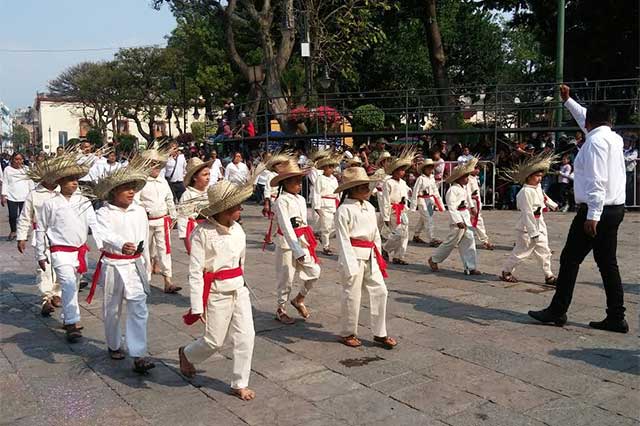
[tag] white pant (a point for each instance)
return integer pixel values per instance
(286, 268)
(228, 314)
(526, 246)
(158, 251)
(370, 277)
(480, 230)
(68, 280)
(425, 222)
(312, 219)
(398, 238)
(466, 243)
(123, 283)
(46, 280)
(326, 225)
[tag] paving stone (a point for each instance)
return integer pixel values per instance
(364, 406)
(491, 415)
(321, 385)
(436, 399)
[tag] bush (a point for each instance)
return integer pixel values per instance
(125, 143)
(94, 137)
(368, 118)
(197, 130)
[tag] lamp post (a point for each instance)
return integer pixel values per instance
(325, 83)
(559, 60)
(49, 138)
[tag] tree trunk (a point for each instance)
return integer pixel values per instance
(438, 65)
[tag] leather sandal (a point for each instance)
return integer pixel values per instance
(433, 265)
(397, 261)
(187, 369)
(472, 272)
(488, 246)
(172, 289)
(117, 354)
(142, 365)
(351, 341)
(550, 280)
(386, 342)
(419, 240)
(47, 308)
(435, 243)
(56, 301)
(301, 308)
(73, 333)
(385, 255)
(327, 252)
(508, 277)
(281, 315)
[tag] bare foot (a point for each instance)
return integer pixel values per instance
(433, 265)
(244, 394)
(186, 367)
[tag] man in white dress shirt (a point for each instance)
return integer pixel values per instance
(175, 170)
(599, 188)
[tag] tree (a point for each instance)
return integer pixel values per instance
(20, 138)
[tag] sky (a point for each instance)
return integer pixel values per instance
(68, 24)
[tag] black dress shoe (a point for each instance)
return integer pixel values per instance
(608, 324)
(546, 316)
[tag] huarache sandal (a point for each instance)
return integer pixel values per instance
(47, 308)
(435, 243)
(327, 252)
(117, 354)
(142, 365)
(550, 280)
(187, 369)
(172, 289)
(397, 261)
(508, 277)
(386, 342)
(56, 301)
(419, 240)
(281, 315)
(472, 272)
(351, 341)
(300, 307)
(73, 333)
(433, 265)
(488, 246)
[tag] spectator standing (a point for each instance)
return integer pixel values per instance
(15, 188)
(565, 176)
(237, 172)
(175, 170)
(466, 155)
(630, 163)
(217, 171)
(438, 170)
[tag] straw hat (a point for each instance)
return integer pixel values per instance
(278, 158)
(353, 162)
(288, 170)
(426, 163)
(405, 159)
(158, 154)
(538, 163)
(332, 160)
(71, 162)
(319, 154)
(355, 176)
(384, 156)
(136, 172)
(462, 170)
(194, 165)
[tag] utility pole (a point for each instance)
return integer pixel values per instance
(559, 60)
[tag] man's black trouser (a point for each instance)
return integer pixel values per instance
(15, 208)
(604, 245)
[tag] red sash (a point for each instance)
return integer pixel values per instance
(82, 255)
(167, 230)
(191, 225)
(209, 277)
(307, 231)
(96, 273)
(436, 201)
(370, 244)
(332, 198)
(398, 209)
(34, 226)
(474, 219)
(461, 209)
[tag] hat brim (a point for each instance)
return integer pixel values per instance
(424, 166)
(279, 178)
(227, 203)
(78, 172)
(397, 165)
(354, 183)
(103, 192)
(189, 175)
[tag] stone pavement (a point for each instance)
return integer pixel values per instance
(467, 355)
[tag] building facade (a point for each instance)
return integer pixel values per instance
(5, 127)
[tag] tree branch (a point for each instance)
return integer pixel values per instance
(231, 44)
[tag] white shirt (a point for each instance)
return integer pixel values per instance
(87, 159)
(438, 170)
(531, 201)
(393, 193)
(175, 168)
(157, 200)
(457, 197)
(630, 158)
(215, 247)
(464, 158)
(66, 223)
(599, 169)
(32, 211)
(425, 185)
(15, 184)
(216, 172)
(286, 207)
(236, 173)
(189, 194)
(565, 175)
(324, 187)
(355, 219)
(473, 187)
(103, 168)
(117, 226)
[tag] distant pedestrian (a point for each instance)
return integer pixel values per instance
(16, 186)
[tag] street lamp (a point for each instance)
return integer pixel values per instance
(49, 138)
(325, 83)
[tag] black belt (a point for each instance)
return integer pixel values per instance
(611, 206)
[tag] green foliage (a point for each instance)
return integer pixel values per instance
(197, 130)
(125, 143)
(94, 137)
(368, 118)
(21, 138)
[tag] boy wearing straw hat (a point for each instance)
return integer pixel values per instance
(270, 194)
(425, 198)
(219, 295)
(312, 177)
(381, 163)
(196, 179)
(122, 236)
(460, 233)
(531, 229)
(325, 200)
(360, 259)
(157, 200)
(477, 221)
(64, 226)
(395, 197)
(28, 220)
(295, 244)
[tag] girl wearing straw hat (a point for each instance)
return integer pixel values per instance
(425, 198)
(197, 180)
(157, 200)
(325, 200)
(295, 244)
(360, 259)
(64, 227)
(122, 237)
(460, 233)
(395, 197)
(531, 229)
(477, 221)
(219, 295)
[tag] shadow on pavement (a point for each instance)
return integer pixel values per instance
(622, 360)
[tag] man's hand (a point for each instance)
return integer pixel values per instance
(565, 92)
(129, 249)
(43, 264)
(461, 225)
(3, 200)
(590, 227)
(22, 244)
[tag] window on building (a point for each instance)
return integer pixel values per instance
(123, 127)
(63, 137)
(159, 129)
(85, 126)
